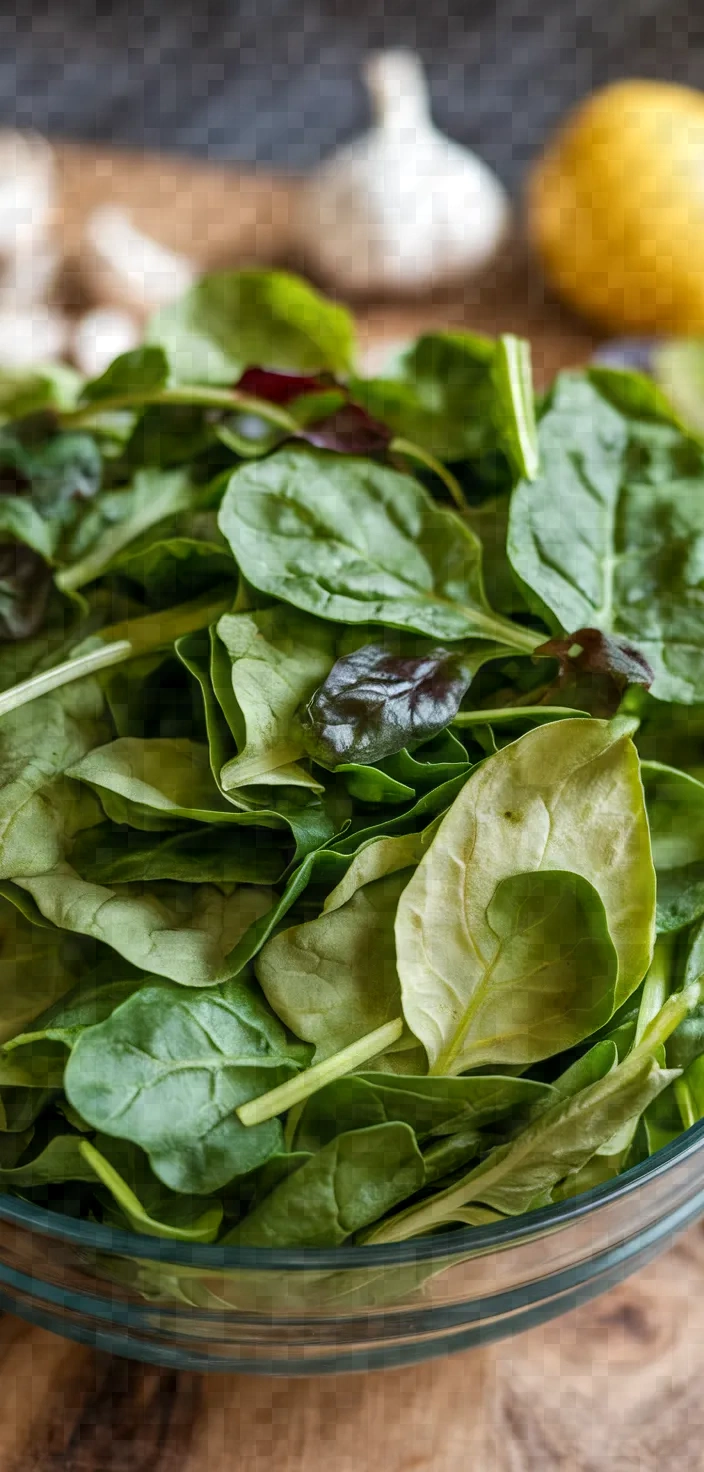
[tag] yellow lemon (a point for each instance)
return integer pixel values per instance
(616, 208)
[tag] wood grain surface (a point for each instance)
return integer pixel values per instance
(615, 1386)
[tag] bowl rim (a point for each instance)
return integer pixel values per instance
(445, 1246)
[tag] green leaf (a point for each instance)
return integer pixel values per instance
(140, 371)
(239, 319)
(608, 535)
(36, 968)
(167, 1070)
(190, 1221)
(334, 979)
(431, 1106)
(278, 658)
(155, 783)
(26, 391)
(566, 796)
(119, 518)
(675, 805)
(61, 1160)
(459, 397)
(521, 1175)
(354, 542)
(112, 855)
(353, 1181)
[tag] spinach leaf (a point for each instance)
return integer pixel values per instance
(278, 657)
(568, 797)
(460, 397)
(675, 805)
(522, 1174)
(232, 320)
(110, 855)
(334, 979)
(153, 784)
(431, 1106)
(604, 537)
(167, 1070)
(155, 1211)
(118, 519)
(355, 542)
(60, 1160)
(25, 584)
(353, 1181)
(37, 967)
(137, 372)
(375, 702)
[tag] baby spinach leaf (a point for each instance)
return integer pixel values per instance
(235, 320)
(278, 657)
(459, 397)
(521, 1175)
(209, 855)
(356, 542)
(334, 979)
(155, 783)
(36, 968)
(120, 518)
(675, 805)
(137, 372)
(563, 797)
(188, 933)
(25, 584)
(167, 1070)
(375, 702)
(353, 1181)
(92, 1001)
(61, 1160)
(603, 538)
(175, 1218)
(431, 1106)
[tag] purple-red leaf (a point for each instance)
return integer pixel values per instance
(280, 388)
(349, 431)
(375, 702)
(599, 664)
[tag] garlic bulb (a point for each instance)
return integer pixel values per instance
(102, 335)
(30, 336)
(403, 208)
(26, 191)
(129, 269)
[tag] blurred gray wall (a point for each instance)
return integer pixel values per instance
(277, 82)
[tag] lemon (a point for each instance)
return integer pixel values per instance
(616, 208)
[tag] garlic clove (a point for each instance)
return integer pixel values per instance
(127, 268)
(403, 208)
(26, 190)
(102, 335)
(30, 336)
(28, 277)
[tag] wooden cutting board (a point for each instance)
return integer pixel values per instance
(615, 1386)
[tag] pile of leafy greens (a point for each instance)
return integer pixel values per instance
(351, 780)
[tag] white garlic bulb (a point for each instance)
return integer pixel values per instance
(102, 335)
(31, 335)
(127, 268)
(402, 208)
(26, 190)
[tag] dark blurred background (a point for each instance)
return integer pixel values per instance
(277, 82)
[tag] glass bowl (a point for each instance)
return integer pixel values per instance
(349, 1308)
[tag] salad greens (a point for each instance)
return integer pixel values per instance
(351, 780)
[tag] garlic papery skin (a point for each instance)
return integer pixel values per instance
(126, 268)
(402, 209)
(26, 191)
(101, 336)
(31, 336)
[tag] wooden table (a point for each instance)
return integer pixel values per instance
(615, 1386)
